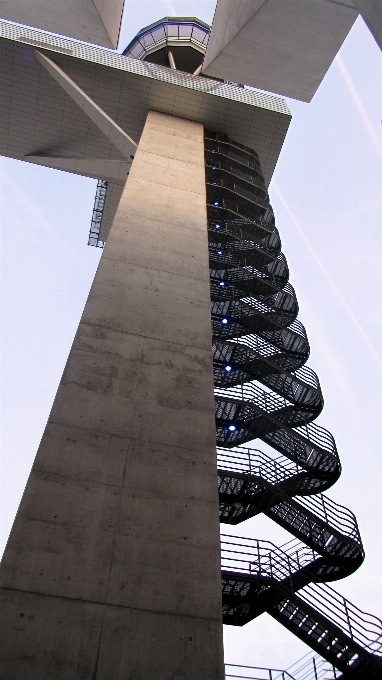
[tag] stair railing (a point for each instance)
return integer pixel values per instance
(280, 413)
(251, 557)
(256, 673)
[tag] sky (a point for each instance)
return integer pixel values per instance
(327, 196)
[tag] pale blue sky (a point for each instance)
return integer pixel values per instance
(327, 196)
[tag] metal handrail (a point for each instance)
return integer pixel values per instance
(271, 395)
(231, 151)
(313, 668)
(275, 473)
(263, 559)
(261, 673)
(308, 668)
(237, 170)
(231, 185)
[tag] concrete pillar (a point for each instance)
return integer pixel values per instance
(112, 569)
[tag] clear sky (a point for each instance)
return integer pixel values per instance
(327, 197)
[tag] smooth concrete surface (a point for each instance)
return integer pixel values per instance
(94, 21)
(283, 46)
(112, 569)
(371, 11)
(110, 12)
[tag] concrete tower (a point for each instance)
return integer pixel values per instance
(113, 569)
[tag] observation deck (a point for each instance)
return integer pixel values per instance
(177, 42)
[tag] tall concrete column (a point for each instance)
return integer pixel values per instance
(112, 569)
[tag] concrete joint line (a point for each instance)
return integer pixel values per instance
(125, 145)
(103, 603)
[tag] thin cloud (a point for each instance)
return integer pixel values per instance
(45, 225)
(330, 281)
(326, 349)
(359, 104)
(169, 7)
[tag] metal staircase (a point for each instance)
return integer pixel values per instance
(264, 391)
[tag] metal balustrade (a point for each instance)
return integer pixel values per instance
(237, 170)
(255, 673)
(99, 204)
(219, 177)
(242, 234)
(263, 390)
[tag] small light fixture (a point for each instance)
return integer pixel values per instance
(216, 203)
(219, 252)
(222, 283)
(224, 321)
(228, 368)
(232, 428)
(217, 226)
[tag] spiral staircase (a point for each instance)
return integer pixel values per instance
(264, 391)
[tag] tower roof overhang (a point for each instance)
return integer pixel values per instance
(96, 21)
(283, 46)
(41, 123)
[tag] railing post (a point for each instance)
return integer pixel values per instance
(348, 619)
(290, 574)
(258, 558)
(315, 669)
(324, 508)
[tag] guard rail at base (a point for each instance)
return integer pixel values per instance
(307, 668)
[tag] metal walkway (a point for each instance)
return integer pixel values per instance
(264, 391)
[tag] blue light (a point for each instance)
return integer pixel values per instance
(222, 283)
(228, 368)
(216, 203)
(214, 168)
(232, 428)
(217, 226)
(215, 184)
(213, 150)
(224, 321)
(219, 252)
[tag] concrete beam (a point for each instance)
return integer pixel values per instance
(39, 119)
(99, 168)
(125, 145)
(371, 11)
(113, 196)
(283, 46)
(110, 12)
(94, 21)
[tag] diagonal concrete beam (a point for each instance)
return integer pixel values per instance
(125, 145)
(111, 12)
